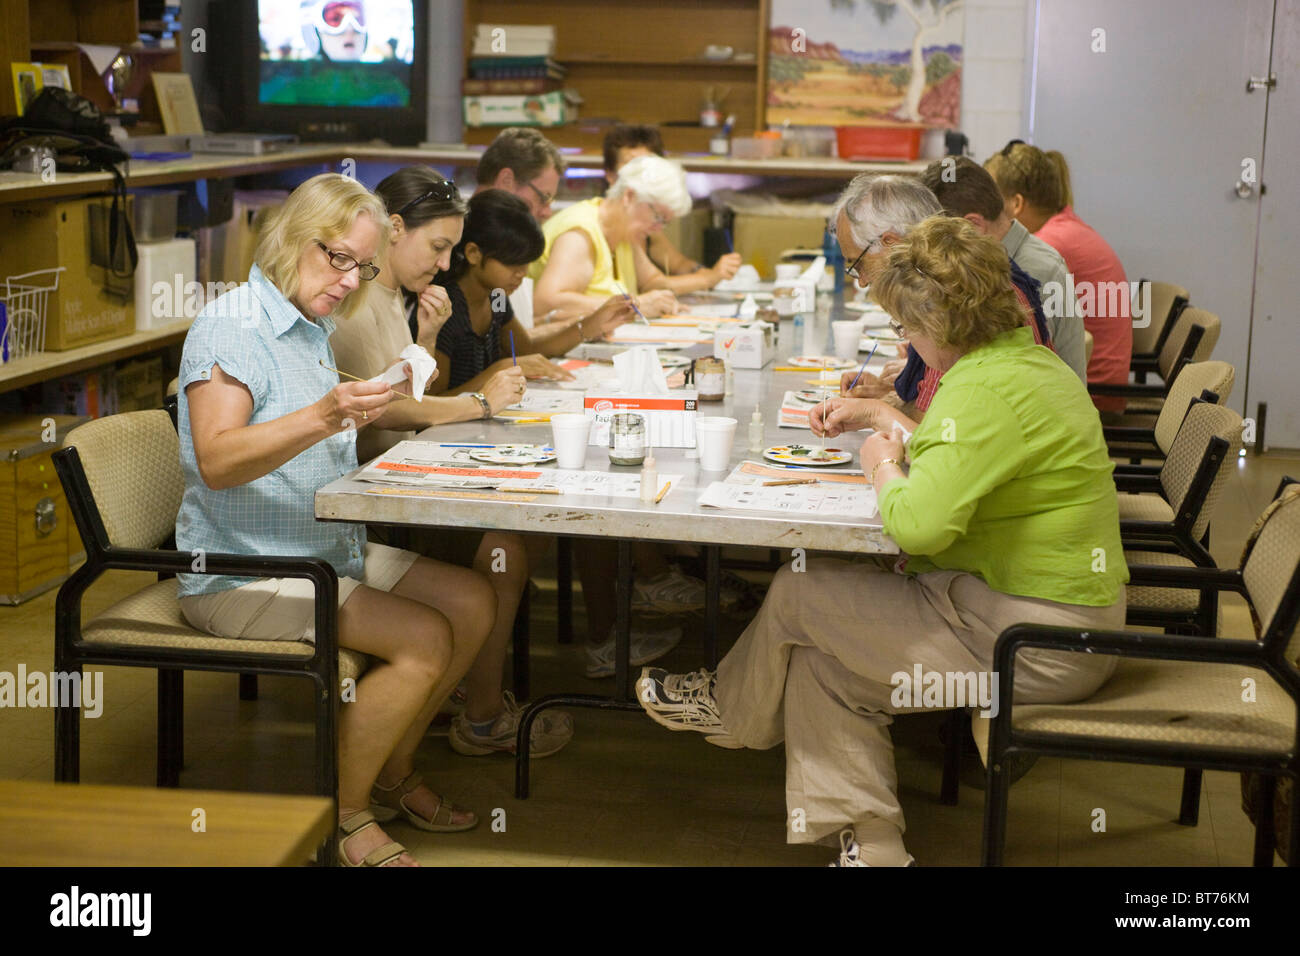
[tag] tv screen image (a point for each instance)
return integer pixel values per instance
(336, 53)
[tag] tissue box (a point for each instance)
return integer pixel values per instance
(751, 345)
(670, 419)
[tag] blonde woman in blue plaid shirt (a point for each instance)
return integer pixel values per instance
(263, 424)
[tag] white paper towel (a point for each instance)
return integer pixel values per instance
(423, 368)
(639, 371)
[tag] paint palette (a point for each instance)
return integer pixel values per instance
(515, 455)
(885, 337)
(814, 395)
(673, 361)
(807, 455)
(818, 361)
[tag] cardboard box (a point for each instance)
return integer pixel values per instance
(139, 385)
(165, 269)
(47, 235)
(762, 239)
(670, 419)
(745, 346)
(38, 540)
(541, 109)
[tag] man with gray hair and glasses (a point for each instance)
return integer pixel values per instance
(872, 214)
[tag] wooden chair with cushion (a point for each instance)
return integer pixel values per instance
(1150, 439)
(123, 481)
(1177, 701)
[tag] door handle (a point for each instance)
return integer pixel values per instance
(1244, 189)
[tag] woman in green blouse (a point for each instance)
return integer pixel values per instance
(1006, 514)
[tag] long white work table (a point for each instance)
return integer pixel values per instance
(677, 518)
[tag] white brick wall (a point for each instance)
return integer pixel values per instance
(996, 73)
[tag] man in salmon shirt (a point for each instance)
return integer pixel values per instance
(1036, 187)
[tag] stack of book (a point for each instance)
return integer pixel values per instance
(160, 23)
(514, 79)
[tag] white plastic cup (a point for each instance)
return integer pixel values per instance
(714, 437)
(569, 433)
(848, 337)
(788, 270)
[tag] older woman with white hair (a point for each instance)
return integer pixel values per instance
(264, 421)
(595, 248)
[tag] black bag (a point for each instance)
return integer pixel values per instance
(74, 128)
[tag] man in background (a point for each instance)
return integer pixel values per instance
(966, 190)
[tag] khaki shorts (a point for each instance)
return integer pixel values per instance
(284, 609)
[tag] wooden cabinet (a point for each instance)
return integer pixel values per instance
(644, 63)
(48, 31)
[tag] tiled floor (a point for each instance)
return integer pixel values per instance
(624, 791)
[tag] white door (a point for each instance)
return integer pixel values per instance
(1275, 334)
(1148, 103)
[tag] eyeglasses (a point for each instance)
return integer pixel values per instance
(660, 221)
(852, 270)
(346, 263)
(444, 191)
(542, 197)
(1006, 150)
(336, 17)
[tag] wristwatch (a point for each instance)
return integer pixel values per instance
(482, 400)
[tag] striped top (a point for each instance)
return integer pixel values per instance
(260, 338)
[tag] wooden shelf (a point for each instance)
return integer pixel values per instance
(652, 62)
(47, 365)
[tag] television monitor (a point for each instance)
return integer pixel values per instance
(330, 69)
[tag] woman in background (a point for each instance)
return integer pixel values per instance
(1036, 188)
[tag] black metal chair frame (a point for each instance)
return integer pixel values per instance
(72, 653)
(1161, 391)
(1267, 654)
(1143, 362)
(1128, 436)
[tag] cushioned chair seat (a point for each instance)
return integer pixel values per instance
(1150, 406)
(1161, 599)
(1144, 508)
(1149, 701)
(151, 617)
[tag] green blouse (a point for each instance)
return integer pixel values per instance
(1011, 480)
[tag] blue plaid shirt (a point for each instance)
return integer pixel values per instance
(260, 338)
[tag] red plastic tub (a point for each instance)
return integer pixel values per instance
(878, 142)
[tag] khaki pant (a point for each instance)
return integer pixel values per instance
(814, 669)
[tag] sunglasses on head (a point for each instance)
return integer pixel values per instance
(444, 191)
(1006, 150)
(335, 17)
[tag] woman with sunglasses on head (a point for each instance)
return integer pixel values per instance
(426, 220)
(264, 422)
(595, 248)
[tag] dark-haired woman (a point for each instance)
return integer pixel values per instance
(426, 215)
(500, 240)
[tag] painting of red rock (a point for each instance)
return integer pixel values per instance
(865, 62)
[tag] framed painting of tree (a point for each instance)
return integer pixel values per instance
(865, 62)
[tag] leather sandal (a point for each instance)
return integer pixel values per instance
(379, 856)
(389, 802)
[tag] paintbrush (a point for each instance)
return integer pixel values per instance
(355, 379)
(632, 302)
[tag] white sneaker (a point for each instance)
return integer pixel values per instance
(646, 646)
(851, 851)
(676, 593)
(684, 702)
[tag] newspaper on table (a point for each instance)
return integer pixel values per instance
(837, 494)
(424, 466)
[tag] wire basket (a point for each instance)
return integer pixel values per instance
(27, 299)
